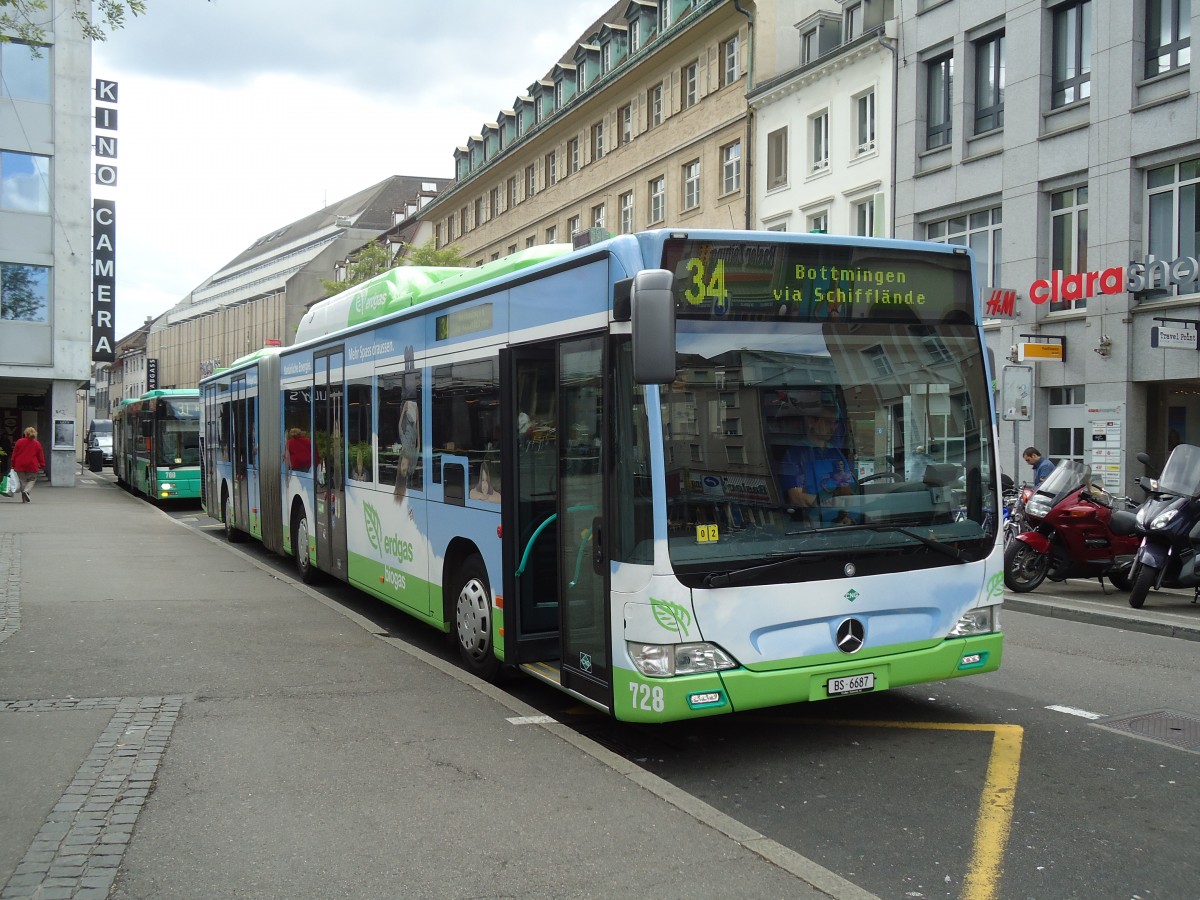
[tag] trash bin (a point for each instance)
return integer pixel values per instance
(96, 460)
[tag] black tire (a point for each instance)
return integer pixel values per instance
(469, 612)
(232, 533)
(1024, 568)
(1143, 579)
(309, 573)
(1121, 579)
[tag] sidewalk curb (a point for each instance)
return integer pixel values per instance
(1074, 613)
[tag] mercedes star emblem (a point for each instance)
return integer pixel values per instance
(850, 636)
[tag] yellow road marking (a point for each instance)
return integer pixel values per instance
(994, 822)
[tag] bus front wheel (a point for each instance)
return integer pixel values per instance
(308, 572)
(470, 614)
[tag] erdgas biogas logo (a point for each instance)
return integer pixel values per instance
(369, 299)
(386, 545)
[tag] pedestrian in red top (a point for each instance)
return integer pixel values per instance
(27, 460)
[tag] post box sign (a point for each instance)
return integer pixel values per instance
(1149, 275)
(1039, 351)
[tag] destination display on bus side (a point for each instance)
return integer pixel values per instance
(817, 282)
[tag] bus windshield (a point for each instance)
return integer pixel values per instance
(178, 442)
(807, 429)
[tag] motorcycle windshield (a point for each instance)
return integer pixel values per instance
(1181, 474)
(1068, 476)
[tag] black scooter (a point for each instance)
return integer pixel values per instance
(1169, 524)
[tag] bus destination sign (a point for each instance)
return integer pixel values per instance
(817, 281)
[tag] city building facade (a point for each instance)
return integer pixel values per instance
(642, 123)
(45, 237)
(1060, 141)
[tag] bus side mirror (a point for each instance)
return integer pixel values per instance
(652, 302)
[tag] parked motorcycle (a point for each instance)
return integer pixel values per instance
(1069, 534)
(1014, 512)
(1168, 526)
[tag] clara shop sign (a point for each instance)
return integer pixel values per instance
(1150, 275)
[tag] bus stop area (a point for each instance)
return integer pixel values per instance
(179, 720)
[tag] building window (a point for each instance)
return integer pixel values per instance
(982, 232)
(1071, 70)
(818, 223)
(654, 108)
(809, 48)
(731, 167)
(530, 180)
(1172, 218)
(989, 83)
(511, 199)
(552, 235)
(691, 185)
(864, 217)
(24, 180)
(598, 216)
(572, 156)
(777, 157)
(852, 20)
(865, 106)
(731, 64)
(480, 216)
(530, 240)
(24, 292)
(558, 94)
(819, 128)
(598, 140)
(495, 201)
(624, 124)
(626, 204)
(1168, 35)
(605, 58)
(939, 80)
(464, 221)
(879, 361)
(572, 226)
(551, 168)
(658, 195)
(25, 77)
(1068, 237)
(689, 89)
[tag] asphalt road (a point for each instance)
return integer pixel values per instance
(910, 793)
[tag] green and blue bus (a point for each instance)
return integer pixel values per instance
(156, 445)
(579, 463)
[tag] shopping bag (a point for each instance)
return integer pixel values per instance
(11, 483)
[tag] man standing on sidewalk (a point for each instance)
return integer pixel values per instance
(27, 460)
(1041, 465)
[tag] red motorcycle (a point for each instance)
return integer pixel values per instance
(1070, 535)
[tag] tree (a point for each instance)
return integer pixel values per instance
(370, 261)
(428, 255)
(18, 18)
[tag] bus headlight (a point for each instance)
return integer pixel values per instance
(981, 620)
(665, 660)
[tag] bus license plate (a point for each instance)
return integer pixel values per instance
(850, 684)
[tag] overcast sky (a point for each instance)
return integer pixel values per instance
(236, 117)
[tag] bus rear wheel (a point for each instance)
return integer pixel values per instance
(470, 615)
(308, 572)
(232, 534)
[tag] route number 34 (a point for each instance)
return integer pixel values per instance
(646, 697)
(706, 286)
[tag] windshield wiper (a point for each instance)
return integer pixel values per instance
(723, 579)
(946, 549)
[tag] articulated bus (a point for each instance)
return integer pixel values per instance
(156, 445)
(672, 474)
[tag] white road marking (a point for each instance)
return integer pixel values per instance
(1072, 711)
(531, 720)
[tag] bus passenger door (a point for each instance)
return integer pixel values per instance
(239, 452)
(329, 447)
(529, 417)
(582, 549)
